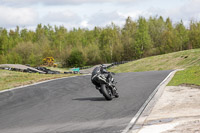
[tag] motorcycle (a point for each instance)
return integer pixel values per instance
(107, 86)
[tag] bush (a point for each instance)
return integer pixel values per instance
(14, 58)
(3, 59)
(76, 59)
(48, 61)
(92, 54)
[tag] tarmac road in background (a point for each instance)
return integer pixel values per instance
(73, 105)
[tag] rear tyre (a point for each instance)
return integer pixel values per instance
(106, 92)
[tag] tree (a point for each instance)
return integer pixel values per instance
(128, 38)
(60, 34)
(116, 44)
(194, 35)
(92, 54)
(181, 35)
(168, 43)
(4, 42)
(39, 34)
(142, 39)
(105, 45)
(27, 35)
(81, 46)
(156, 30)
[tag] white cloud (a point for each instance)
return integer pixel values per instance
(11, 17)
(188, 11)
(60, 2)
(84, 24)
(145, 13)
(90, 13)
(134, 14)
(102, 18)
(64, 16)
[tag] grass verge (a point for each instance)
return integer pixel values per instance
(187, 77)
(11, 79)
(188, 60)
(176, 60)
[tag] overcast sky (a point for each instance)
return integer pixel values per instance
(90, 13)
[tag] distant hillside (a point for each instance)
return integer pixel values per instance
(176, 60)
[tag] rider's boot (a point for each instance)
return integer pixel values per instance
(99, 88)
(115, 92)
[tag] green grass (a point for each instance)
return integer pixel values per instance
(10, 79)
(188, 60)
(189, 76)
(177, 60)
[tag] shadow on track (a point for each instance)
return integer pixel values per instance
(90, 99)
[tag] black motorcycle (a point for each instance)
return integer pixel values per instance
(106, 85)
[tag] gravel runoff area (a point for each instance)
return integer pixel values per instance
(176, 111)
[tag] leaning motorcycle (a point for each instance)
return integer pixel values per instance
(107, 86)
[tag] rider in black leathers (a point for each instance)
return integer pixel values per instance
(102, 70)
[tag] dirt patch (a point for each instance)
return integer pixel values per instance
(177, 111)
(190, 85)
(186, 127)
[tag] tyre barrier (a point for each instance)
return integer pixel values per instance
(113, 64)
(20, 70)
(28, 70)
(47, 71)
(118, 63)
(81, 68)
(75, 72)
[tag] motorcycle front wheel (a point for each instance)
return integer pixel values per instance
(106, 92)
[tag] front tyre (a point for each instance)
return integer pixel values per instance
(106, 92)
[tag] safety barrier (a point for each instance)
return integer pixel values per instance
(118, 63)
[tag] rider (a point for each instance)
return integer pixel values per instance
(101, 70)
(98, 70)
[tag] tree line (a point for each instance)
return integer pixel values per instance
(80, 46)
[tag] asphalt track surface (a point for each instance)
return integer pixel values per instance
(73, 105)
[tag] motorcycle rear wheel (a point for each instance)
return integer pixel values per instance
(106, 92)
